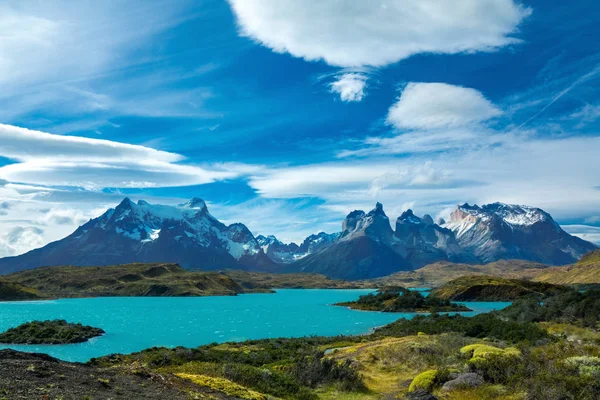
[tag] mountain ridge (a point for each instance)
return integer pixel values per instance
(367, 246)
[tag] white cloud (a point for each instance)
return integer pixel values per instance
(439, 106)
(377, 33)
(586, 114)
(28, 145)
(55, 160)
(586, 232)
(515, 170)
(427, 142)
(425, 175)
(350, 86)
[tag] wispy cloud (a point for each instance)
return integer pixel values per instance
(47, 159)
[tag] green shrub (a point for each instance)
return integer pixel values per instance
(586, 365)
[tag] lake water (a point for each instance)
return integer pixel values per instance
(136, 323)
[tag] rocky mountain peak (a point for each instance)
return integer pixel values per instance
(375, 224)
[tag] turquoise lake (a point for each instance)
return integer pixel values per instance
(136, 323)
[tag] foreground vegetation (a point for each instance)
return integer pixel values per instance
(49, 332)
(398, 299)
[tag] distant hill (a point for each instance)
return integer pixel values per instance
(585, 272)
(436, 274)
(125, 280)
(491, 288)
(261, 280)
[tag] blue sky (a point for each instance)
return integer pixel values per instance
(286, 115)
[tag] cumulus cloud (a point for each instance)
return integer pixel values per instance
(55, 160)
(376, 33)
(439, 106)
(19, 239)
(350, 87)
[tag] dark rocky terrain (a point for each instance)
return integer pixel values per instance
(29, 376)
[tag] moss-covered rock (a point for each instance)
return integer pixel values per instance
(425, 381)
(224, 385)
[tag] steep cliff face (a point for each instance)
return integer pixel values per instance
(423, 242)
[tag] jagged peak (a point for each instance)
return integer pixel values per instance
(378, 210)
(355, 214)
(126, 202)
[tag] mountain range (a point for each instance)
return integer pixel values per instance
(366, 247)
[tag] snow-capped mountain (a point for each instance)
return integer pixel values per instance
(367, 246)
(141, 232)
(504, 231)
(287, 253)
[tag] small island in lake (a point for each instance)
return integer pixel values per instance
(399, 299)
(49, 332)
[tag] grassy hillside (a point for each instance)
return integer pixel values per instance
(585, 272)
(488, 288)
(125, 280)
(436, 274)
(253, 280)
(10, 291)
